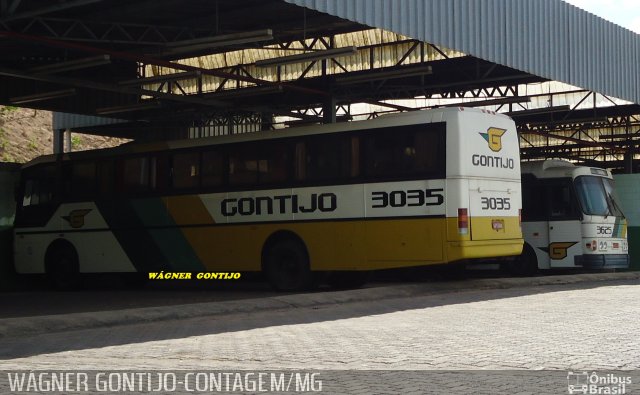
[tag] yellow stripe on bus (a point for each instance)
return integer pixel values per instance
(342, 245)
(491, 228)
(188, 210)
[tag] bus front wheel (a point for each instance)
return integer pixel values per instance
(286, 266)
(62, 266)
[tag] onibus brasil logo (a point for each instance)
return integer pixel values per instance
(594, 383)
(494, 138)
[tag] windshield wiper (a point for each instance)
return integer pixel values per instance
(615, 205)
(609, 204)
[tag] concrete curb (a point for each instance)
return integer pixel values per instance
(26, 326)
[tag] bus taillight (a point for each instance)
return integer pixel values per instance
(520, 217)
(463, 221)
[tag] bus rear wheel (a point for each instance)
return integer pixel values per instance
(62, 267)
(526, 265)
(286, 267)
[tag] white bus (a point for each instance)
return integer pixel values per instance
(570, 218)
(413, 189)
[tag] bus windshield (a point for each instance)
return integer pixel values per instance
(596, 196)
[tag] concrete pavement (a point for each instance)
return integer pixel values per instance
(26, 326)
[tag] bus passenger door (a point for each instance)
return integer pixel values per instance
(564, 224)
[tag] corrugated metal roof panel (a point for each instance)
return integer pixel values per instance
(549, 38)
(63, 120)
(386, 56)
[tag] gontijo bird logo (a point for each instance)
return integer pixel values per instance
(558, 250)
(76, 218)
(494, 138)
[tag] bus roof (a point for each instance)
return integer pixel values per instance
(554, 168)
(408, 118)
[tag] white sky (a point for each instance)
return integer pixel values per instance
(625, 13)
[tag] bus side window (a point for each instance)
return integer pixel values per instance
(186, 170)
(328, 158)
(561, 202)
(28, 192)
(405, 151)
(134, 175)
(160, 172)
(212, 168)
(429, 153)
(243, 166)
(300, 161)
(355, 156)
(272, 163)
(83, 181)
(534, 202)
(39, 186)
(379, 151)
(105, 178)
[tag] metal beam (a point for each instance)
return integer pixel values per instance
(45, 10)
(491, 102)
(41, 96)
(111, 88)
(70, 65)
(154, 61)
(307, 57)
(161, 78)
(566, 138)
(97, 31)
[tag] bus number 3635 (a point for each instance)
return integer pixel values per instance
(410, 198)
(491, 203)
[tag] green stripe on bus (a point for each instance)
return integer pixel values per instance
(170, 241)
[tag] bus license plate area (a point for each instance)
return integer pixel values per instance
(603, 245)
(497, 225)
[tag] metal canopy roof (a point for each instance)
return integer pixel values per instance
(169, 67)
(547, 38)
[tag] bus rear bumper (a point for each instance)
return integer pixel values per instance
(483, 249)
(602, 261)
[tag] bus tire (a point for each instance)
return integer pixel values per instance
(348, 279)
(62, 266)
(286, 266)
(525, 265)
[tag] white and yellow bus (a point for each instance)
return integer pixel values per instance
(570, 218)
(413, 189)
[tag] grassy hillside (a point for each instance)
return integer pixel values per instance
(26, 134)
